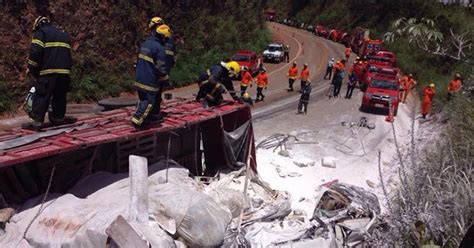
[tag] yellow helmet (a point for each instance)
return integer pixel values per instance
(40, 20)
(155, 21)
(233, 67)
(245, 96)
(432, 85)
(164, 30)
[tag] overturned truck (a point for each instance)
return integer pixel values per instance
(201, 139)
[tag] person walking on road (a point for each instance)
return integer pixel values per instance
(262, 83)
(304, 77)
(427, 99)
(304, 98)
(351, 84)
(292, 76)
(329, 67)
(347, 52)
(454, 86)
(246, 80)
(49, 63)
(286, 53)
(338, 76)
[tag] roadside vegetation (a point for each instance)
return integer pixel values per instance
(105, 37)
(433, 202)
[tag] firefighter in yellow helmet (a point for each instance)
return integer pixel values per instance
(152, 73)
(215, 76)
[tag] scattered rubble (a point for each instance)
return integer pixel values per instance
(304, 162)
(329, 162)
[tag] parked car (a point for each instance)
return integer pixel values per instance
(248, 58)
(387, 56)
(335, 35)
(372, 69)
(274, 53)
(382, 92)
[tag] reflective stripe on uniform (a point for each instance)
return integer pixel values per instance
(58, 71)
(169, 52)
(57, 44)
(140, 119)
(146, 58)
(164, 78)
(33, 63)
(146, 87)
(37, 42)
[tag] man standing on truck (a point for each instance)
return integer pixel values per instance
(152, 73)
(454, 86)
(292, 76)
(427, 99)
(246, 80)
(49, 63)
(304, 77)
(262, 82)
(329, 68)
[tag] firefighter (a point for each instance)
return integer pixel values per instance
(304, 98)
(351, 84)
(454, 86)
(292, 75)
(329, 67)
(304, 76)
(262, 82)
(338, 76)
(151, 74)
(407, 83)
(428, 93)
(246, 80)
(347, 52)
(170, 59)
(212, 82)
(49, 63)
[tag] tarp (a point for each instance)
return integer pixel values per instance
(236, 146)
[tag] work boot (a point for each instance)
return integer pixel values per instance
(63, 121)
(32, 125)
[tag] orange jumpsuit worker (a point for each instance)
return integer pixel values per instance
(407, 82)
(304, 76)
(246, 80)
(454, 86)
(428, 93)
(292, 76)
(348, 52)
(262, 82)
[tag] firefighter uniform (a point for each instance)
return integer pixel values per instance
(210, 90)
(304, 99)
(221, 74)
(262, 82)
(151, 74)
(49, 63)
(427, 99)
(245, 81)
(292, 76)
(304, 77)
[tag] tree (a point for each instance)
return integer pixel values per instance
(425, 35)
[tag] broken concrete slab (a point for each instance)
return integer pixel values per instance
(304, 162)
(284, 153)
(124, 235)
(329, 162)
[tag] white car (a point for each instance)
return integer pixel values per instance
(274, 53)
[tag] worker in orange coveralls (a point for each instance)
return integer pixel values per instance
(292, 75)
(428, 93)
(304, 76)
(348, 52)
(454, 86)
(407, 83)
(246, 80)
(262, 82)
